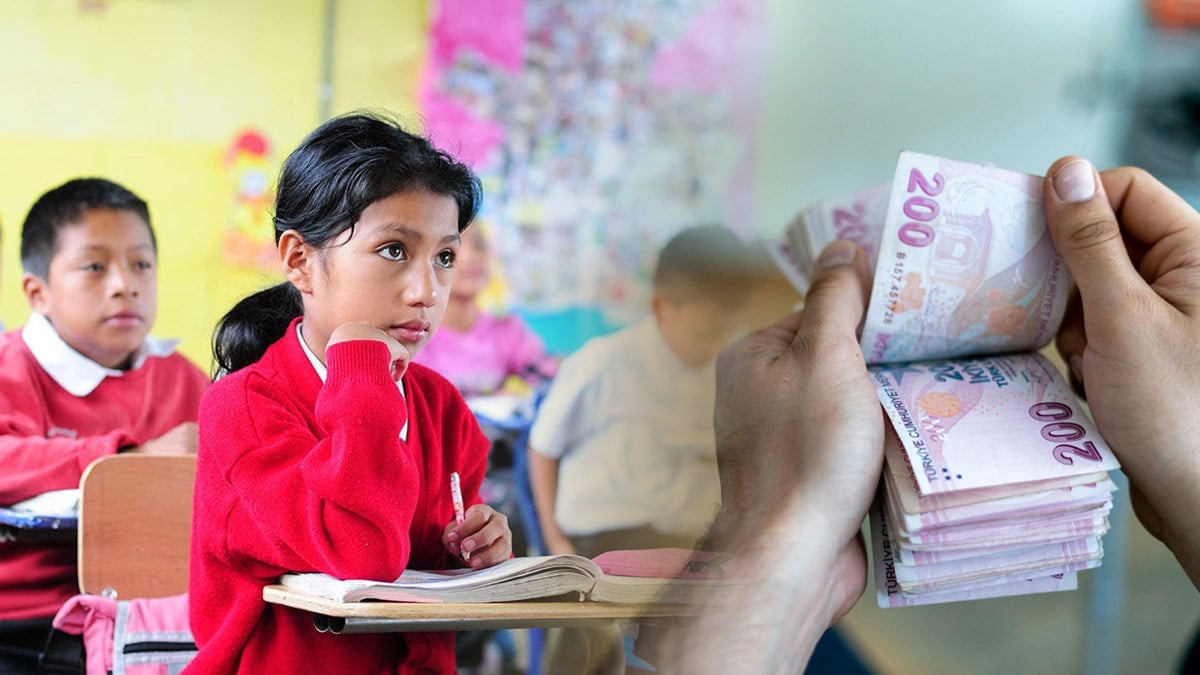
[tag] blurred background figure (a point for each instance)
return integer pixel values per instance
(479, 351)
(622, 451)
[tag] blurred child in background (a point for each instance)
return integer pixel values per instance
(478, 351)
(622, 451)
(623, 454)
(81, 380)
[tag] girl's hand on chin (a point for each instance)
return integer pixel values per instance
(361, 330)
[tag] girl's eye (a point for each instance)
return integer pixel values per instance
(392, 252)
(143, 265)
(446, 258)
(93, 267)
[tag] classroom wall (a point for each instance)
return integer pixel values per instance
(151, 92)
(1016, 83)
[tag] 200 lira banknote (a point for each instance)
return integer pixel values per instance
(965, 265)
(996, 420)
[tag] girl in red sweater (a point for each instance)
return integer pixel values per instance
(323, 448)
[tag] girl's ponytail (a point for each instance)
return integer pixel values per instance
(244, 333)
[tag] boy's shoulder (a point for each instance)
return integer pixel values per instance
(604, 352)
(612, 341)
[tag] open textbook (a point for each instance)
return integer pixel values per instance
(995, 478)
(668, 575)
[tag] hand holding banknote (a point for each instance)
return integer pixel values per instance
(1131, 337)
(800, 449)
(802, 379)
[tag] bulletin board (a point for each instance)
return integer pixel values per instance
(599, 129)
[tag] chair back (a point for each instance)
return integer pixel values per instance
(135, 522)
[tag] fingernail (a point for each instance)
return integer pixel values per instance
(1075, 182)
(840, 252)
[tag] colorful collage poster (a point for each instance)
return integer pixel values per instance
(599, 129)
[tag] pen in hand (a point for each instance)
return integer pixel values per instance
(459, 515)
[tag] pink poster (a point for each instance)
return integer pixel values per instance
(599, 129)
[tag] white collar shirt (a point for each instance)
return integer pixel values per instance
(73, 371)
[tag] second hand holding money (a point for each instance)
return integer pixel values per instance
(1130, 336)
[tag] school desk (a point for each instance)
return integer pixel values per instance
(25, 526)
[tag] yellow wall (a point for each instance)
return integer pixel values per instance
(150, 92)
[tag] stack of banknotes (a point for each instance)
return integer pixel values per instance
(996, 479)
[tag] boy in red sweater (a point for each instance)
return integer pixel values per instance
(323, 448)
(80, 381)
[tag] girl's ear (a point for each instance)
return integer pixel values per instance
(298, 260)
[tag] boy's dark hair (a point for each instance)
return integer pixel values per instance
(339, 170)
(64, 206)
(704, 261)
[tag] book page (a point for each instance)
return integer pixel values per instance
(522, 578)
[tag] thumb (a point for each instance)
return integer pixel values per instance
(838, 295)
(1086, 234)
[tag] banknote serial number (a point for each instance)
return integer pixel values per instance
(1057, 429)
(895, 291)
(921, 209)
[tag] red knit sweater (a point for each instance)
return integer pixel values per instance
(48, 436)
(298, 476)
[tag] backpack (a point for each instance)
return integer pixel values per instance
(98, 635)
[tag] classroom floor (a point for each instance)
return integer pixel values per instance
(1159, 612)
